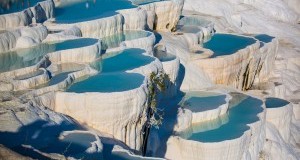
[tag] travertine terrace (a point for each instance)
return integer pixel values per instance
(150, 79)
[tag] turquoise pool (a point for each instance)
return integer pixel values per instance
(125, 60)
(108, 82)
(226, 44)
(239, 115)
(264, 38)
(112, 77)
(11, 6)
(275, 102)
(21, 58)
(83, 10)
(203, 101)
(115, 40)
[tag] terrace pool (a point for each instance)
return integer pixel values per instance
(226, 44)
(242, 113)
(26, 57)
(203, 101)
(126, 60)
(108, 82)
(275, 102)
(112, 77)
(264, 38)
(84, 10)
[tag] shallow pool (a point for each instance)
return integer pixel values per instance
(11, 6)
(108, 82)
(21, 58)
(115, 40)
(83, 10)
(203, 101)
(275, 102)
(193, 21)
(264, 38)
(241, 114)
(226, 44)
(126, 60)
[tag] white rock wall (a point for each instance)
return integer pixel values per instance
(22, 38)
(37, 14)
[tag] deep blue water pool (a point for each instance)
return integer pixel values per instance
(226, 44)
(83, 10)
(108, 82)
(264, 38)
(275, 102)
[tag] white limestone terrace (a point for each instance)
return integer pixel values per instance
(113, 82)
(29, 60)
(273, 18)
(171, 66)
(115, 114)
(237, 66)
(205, 106)
(194, 25)
(128, 39)
(118, 18)
(234, 139)
(33, 12)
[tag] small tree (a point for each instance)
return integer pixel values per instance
(157, 84)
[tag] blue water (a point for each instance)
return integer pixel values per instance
(239, 116)
(83, 10)
(108, 82)
(275, 102)
(112, 77)
(264, 38)
(115, 40)
(203, 101)
(21, 58)
(126, 60)
(226, 44)
(11, 6)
